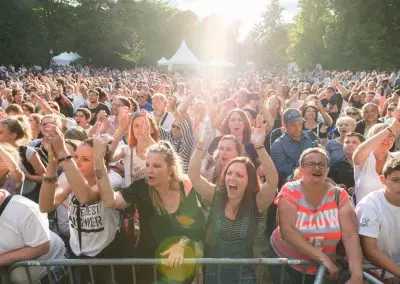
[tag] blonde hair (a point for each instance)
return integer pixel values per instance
(12, 151)
(376, 128)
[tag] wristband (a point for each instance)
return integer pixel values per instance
(200, 149)
(47, 179)
(259, 147)
(69, 157)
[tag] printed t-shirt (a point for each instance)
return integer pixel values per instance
(99, 225)
(379, 219)
(318, 225)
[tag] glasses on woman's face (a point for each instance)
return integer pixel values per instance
(352, 113)
(321, 165)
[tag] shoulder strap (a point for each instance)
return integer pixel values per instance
(337, 197)
(163, 118)
(4, 204)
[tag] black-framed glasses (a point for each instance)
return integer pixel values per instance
(321, 165)
(352, 113)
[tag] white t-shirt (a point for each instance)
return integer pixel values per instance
(366, 178)
(167, 122)
(380, 219)
(99, 225)
(138, 165)
(22, 224)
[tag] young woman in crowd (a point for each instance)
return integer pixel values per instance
(16, 132)
(355, 100)
(34, 123)
(237, 203)
(228, 148)
(310, 115)
(133, 155)
(171, 219)
(334, 147)
(94, 229)
(371, 156)
(237, 124)
(313, 216)
(378, 218)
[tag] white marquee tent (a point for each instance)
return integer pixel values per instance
(65, 58)
(162, 62)
(183, 57)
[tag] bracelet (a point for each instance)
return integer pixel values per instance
(69, 157)
(47, 179)
(390, 130)
(259, 147)
(200, 149)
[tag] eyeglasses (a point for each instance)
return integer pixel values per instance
(352, 113)
(321, 165)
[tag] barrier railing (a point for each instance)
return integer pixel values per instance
(69, 264)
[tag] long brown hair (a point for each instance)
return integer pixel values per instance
(252, 188)
(247, 128)
(132, 141)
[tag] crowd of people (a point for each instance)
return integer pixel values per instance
(140, 164)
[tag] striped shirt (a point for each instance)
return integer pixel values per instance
(319, 225)
(183, 146)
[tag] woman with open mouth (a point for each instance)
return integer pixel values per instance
(171, 219)
(237, 202)
(314, 216)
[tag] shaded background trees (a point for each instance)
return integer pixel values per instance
(339, 34)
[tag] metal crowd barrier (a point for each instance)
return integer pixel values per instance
(69, 264)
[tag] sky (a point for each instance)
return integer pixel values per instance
(248, 12)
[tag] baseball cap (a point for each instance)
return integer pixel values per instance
(291, 115)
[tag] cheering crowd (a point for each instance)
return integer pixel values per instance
(140, 164)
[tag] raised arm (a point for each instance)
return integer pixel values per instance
(51, 193)
(84, 192)
(373, 143)
(200, 184)
(109, 198)
(268, 189)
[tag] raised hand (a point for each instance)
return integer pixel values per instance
(124, 118)
(100, 146)
(258, 136)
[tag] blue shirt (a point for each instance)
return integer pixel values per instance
(147, 106)
(285, 152)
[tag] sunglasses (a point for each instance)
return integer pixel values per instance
(352, 113)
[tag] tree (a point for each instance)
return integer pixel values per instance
(268, 42)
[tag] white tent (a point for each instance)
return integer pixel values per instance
(65, 58)
(183, 57)
(219, 63)
(162, 62)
